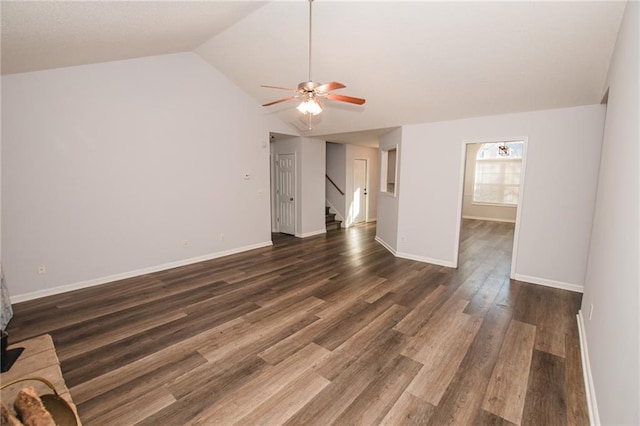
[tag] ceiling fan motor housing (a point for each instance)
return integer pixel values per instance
(307, 86)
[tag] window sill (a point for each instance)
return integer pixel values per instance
(476, 203)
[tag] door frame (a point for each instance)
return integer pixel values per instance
(277, 187)
(366, 184)
(516, 231)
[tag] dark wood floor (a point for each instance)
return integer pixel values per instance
(322, 330)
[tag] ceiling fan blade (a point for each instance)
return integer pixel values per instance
(327, 87)
(279, 101)
(343, 98)
(278, 87)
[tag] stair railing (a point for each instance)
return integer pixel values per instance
(334, 185)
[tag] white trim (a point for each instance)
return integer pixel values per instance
(385, 245)
(550, 283)
(413, 257)
(505, 205)
(516, 232)
(425, 259)
(130, 274)
(311, 234)
(592, 405)
(384, 168)
(366, 184)
(490, 219)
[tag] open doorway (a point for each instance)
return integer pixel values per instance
(490, 196)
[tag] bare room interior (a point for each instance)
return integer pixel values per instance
(320, 212)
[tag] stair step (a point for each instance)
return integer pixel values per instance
(330, 220)
(336, 224)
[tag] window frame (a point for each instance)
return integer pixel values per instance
(385, 181)
(498, 160)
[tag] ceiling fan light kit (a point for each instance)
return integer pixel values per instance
(310, 106)
(311, 92)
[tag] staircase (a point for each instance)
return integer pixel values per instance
(330, 220)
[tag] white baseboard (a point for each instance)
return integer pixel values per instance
(385, 245)
(413, 257)
(130, 274)
(439, 262)
(550, 283)
(312, 233)
(490, 219)
(594, 415)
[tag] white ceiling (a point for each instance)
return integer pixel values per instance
(414, 62)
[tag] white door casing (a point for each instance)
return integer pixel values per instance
(285, 193)
(359, 201)
(516, 233)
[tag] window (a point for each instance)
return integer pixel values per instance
(389, 170)
(497, 176)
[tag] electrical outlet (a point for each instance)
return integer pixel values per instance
(221, 237)
(185, 244)
(42, 270)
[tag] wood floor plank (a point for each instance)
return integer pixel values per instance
(462, 399)
(368, 408)
(490, 419)
(136, 388)
(409, 410)
(271, 381)
(333, 400)
(505, 395)
(168, 355)
(577, 413)
(294, 318)
(419, 316)
(436, 329)
(546, 399)
(285, 403)
(482, 301)
(330, 329)
(365, 339)
(131, 412)
(441, 357)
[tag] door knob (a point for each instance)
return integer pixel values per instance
(291, 199)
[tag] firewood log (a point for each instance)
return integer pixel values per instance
(7, 418)
(31, 410)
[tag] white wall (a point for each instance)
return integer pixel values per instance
(108, 169)
(480, 211)
(559, 190)
(313, 187)
(613, 279)
(354, 152)
(387, 226)
(337, 170)
(310, 182)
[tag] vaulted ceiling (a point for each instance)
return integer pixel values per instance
(414, 61)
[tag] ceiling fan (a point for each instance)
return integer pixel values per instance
(311, 92)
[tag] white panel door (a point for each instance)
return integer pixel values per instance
(285, 193)
(359, 204)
